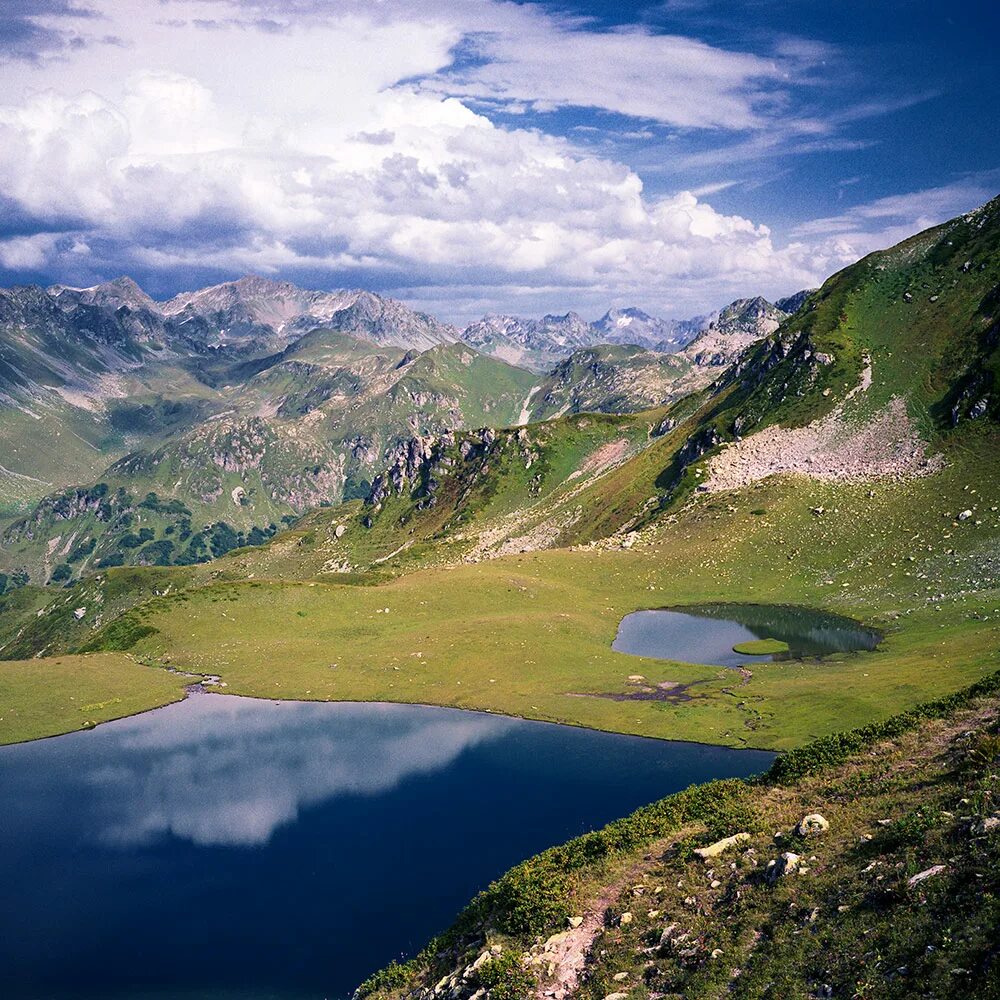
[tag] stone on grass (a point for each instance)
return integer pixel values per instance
(812, 824)
(787, 864)
(925, 874)
(714, 850)
(985, 825)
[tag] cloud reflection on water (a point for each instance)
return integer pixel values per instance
(229, 772)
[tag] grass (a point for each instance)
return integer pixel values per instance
(58, 695)
(900, 798)
(527, 635)
(761, 647)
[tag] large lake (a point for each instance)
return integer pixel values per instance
(230, 848)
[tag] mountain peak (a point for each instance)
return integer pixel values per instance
(121, 291)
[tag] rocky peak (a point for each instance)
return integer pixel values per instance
(123, 292)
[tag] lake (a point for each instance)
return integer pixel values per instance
(231, 848)
(707, 633)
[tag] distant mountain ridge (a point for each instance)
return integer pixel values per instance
(542, 344)
(255, 310)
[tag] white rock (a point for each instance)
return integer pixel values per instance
(787, 864)
(926, 874)
(812, 824)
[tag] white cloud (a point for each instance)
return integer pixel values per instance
(238, 770)
(26, 253)
(327, 143)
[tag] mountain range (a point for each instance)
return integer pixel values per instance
(844, 457)
(241, 406)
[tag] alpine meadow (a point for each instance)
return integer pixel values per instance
(554, 551)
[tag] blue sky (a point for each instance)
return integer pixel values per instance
(483, 155)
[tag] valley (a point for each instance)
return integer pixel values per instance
(841, 458)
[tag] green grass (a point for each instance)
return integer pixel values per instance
(61, 694)
(761, 647)
(527, 635)
(898, 797)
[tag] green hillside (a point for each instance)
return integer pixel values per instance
(847, 462)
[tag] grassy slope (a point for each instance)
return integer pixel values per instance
(57, 695)
(520, 635)
(899, 800)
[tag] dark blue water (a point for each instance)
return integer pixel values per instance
(225, 847)
(707, 633)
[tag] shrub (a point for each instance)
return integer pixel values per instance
(530, 898)
(393, 976)
(119, 636)
(61, 573)
(829, 751)
(157, 553)
(506, 978)
(82, 550)
(222, 539)
(909, 830)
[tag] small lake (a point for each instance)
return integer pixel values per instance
(707, 633)
(231, 848)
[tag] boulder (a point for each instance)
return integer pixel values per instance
(812, 824)
(983, 825)
(787, 864)
(714, 850)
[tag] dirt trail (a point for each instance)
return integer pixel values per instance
(566, 953)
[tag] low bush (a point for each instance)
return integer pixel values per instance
(829, 751)
(506, 978)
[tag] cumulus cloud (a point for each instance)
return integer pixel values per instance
(354, 142)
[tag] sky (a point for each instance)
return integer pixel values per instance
(477, 156)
